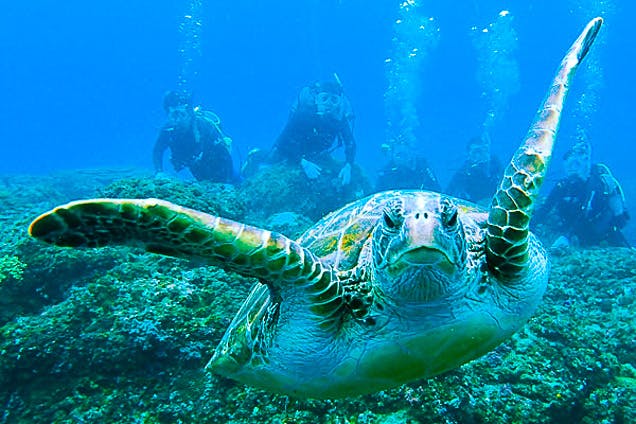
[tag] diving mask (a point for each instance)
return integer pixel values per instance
(327, 103)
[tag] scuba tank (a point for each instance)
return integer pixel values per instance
(612, 190)
(212, 119)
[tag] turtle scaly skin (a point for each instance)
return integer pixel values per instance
(399, 286)
(512, 206)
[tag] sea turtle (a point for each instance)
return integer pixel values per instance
(395, 287)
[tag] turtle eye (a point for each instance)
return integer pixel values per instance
(452, 219)
(388, 221)
(392, 216)
(449, 214)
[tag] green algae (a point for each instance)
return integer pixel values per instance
(11, 267)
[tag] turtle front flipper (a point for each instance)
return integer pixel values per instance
(162, 227)
(513, 204)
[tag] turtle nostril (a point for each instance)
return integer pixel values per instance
(417, 215)
(425, 215)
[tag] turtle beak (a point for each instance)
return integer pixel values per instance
(425, 256)
(430, 257)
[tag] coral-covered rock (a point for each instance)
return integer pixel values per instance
(123, 336)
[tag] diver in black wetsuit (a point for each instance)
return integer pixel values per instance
(587, 207)
(195, 140)
(320, 121)
(405, 169)
(479, 175)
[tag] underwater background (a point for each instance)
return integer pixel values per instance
(117, 335)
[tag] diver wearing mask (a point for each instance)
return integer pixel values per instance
(587, 207)
(320, 121)
(195, 140)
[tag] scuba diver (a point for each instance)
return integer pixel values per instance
(405, 170)
(587, 207)
(477, 179)
(195, 140)
(320, 121)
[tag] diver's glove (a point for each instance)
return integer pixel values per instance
(311, 169)
(345, 175)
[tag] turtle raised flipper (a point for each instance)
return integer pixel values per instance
(162, 227)
(513, 204)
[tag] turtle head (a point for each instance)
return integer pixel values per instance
(418, 247)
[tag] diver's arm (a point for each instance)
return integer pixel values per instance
(276, 153)
(550, 202)
(290, 144)
(349, 142)
(161, 145)
(456, 185)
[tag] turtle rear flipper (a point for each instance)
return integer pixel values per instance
(162, 227)
(513, 204)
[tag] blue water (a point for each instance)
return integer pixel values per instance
(82, 82)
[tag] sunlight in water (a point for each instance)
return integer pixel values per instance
(190, 45)
(415, 35)
(591, 75)
(497, 68)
